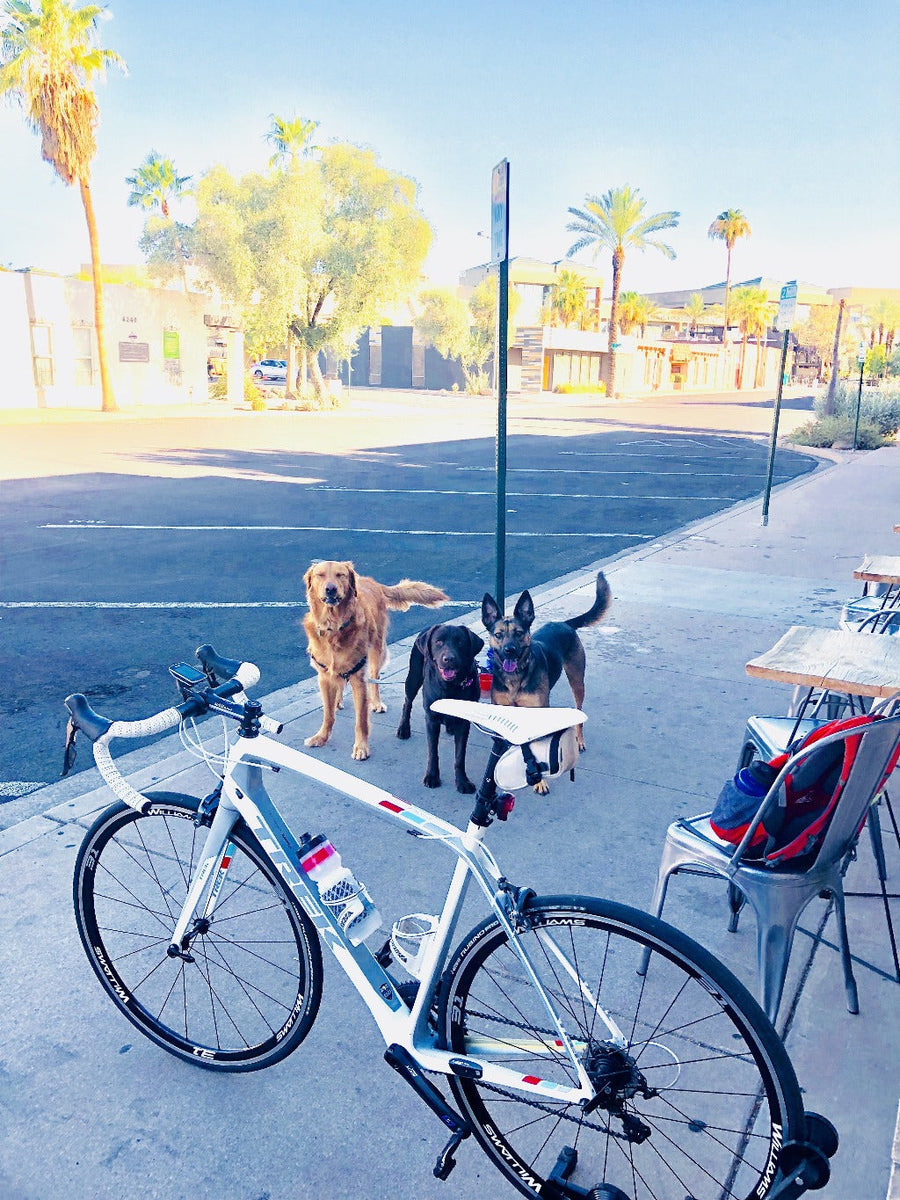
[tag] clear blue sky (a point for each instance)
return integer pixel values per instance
(787, 110)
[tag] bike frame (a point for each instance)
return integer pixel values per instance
(244, 794)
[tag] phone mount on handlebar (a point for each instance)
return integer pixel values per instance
(187, 678)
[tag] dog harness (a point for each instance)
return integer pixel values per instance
(340, 674)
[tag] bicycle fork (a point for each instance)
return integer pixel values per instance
(215, 859)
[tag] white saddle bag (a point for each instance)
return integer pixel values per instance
(554, 755)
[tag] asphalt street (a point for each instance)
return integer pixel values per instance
(164, 534)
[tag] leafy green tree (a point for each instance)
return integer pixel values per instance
(818, 332)
(314, 253)
(153, 185)
(48, 57)
(466, 332)
(728, 227)
(166, 245)
(616, 222)
(291, 138)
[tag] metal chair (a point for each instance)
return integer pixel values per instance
(779, 895)
(877, 610)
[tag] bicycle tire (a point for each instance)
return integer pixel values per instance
(722, 1096)
(252, 990)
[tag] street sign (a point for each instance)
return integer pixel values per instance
(861, 354)
(787, 307)
(500, 212)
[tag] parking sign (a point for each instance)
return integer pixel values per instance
(500, 212)
(787, 307)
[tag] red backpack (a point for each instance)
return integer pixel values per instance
(793, 828)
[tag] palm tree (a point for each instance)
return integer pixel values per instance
(694, 310)
(568, 299)
(616, 221)
(47, 59)
(291, 139)
(728, 227)
(154, 183)
(635, 311)
(754, 313)
(884, 320)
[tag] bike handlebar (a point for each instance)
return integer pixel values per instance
(101, 730)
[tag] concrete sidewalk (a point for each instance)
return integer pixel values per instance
(92, 1110)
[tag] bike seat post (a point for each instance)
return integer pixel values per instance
(486, 796)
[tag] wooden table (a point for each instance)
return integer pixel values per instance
(858, 664)
(879, 568)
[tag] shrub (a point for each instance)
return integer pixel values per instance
(828, 430)
(880, 408)
(567, 389)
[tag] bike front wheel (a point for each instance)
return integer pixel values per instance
(695, 1092)
(247, 991)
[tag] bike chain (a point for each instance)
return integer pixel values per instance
(553, 1112)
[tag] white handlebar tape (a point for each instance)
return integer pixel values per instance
(247, 674)
(112, 776)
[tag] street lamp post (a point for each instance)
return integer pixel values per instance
(861, 359)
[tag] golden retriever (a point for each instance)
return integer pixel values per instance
(346, 630)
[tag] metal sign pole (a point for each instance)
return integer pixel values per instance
(774, 438)
(861, 359)
(500, 256)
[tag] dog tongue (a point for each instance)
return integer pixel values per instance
(509, 665)
(446, 675)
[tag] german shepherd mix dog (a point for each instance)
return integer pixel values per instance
(525, 666)
(346, 629)
(442, 663)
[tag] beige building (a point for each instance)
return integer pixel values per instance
(158, 343)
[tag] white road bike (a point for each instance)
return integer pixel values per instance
(578, 1076)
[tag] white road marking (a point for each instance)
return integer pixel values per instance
(19, 787)
(540, 495)
(488, 533)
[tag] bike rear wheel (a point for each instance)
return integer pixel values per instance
(696, 1097)
(248, 992)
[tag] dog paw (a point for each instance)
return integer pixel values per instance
(360, 752)
(542, 787)
(380, 707)
(403, 732)
(318, 739)
(465, 786)
(432, 780)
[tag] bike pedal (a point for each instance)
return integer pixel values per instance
(446, 1160)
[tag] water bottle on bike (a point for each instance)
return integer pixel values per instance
(338, 888)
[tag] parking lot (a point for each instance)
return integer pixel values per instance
(130, 543)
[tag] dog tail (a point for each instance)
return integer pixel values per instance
(407, 592)
(598, 609)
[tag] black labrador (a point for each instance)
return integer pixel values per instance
(442, 663)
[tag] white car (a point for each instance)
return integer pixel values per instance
(273, 370)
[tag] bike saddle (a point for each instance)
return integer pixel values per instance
(515, 725)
